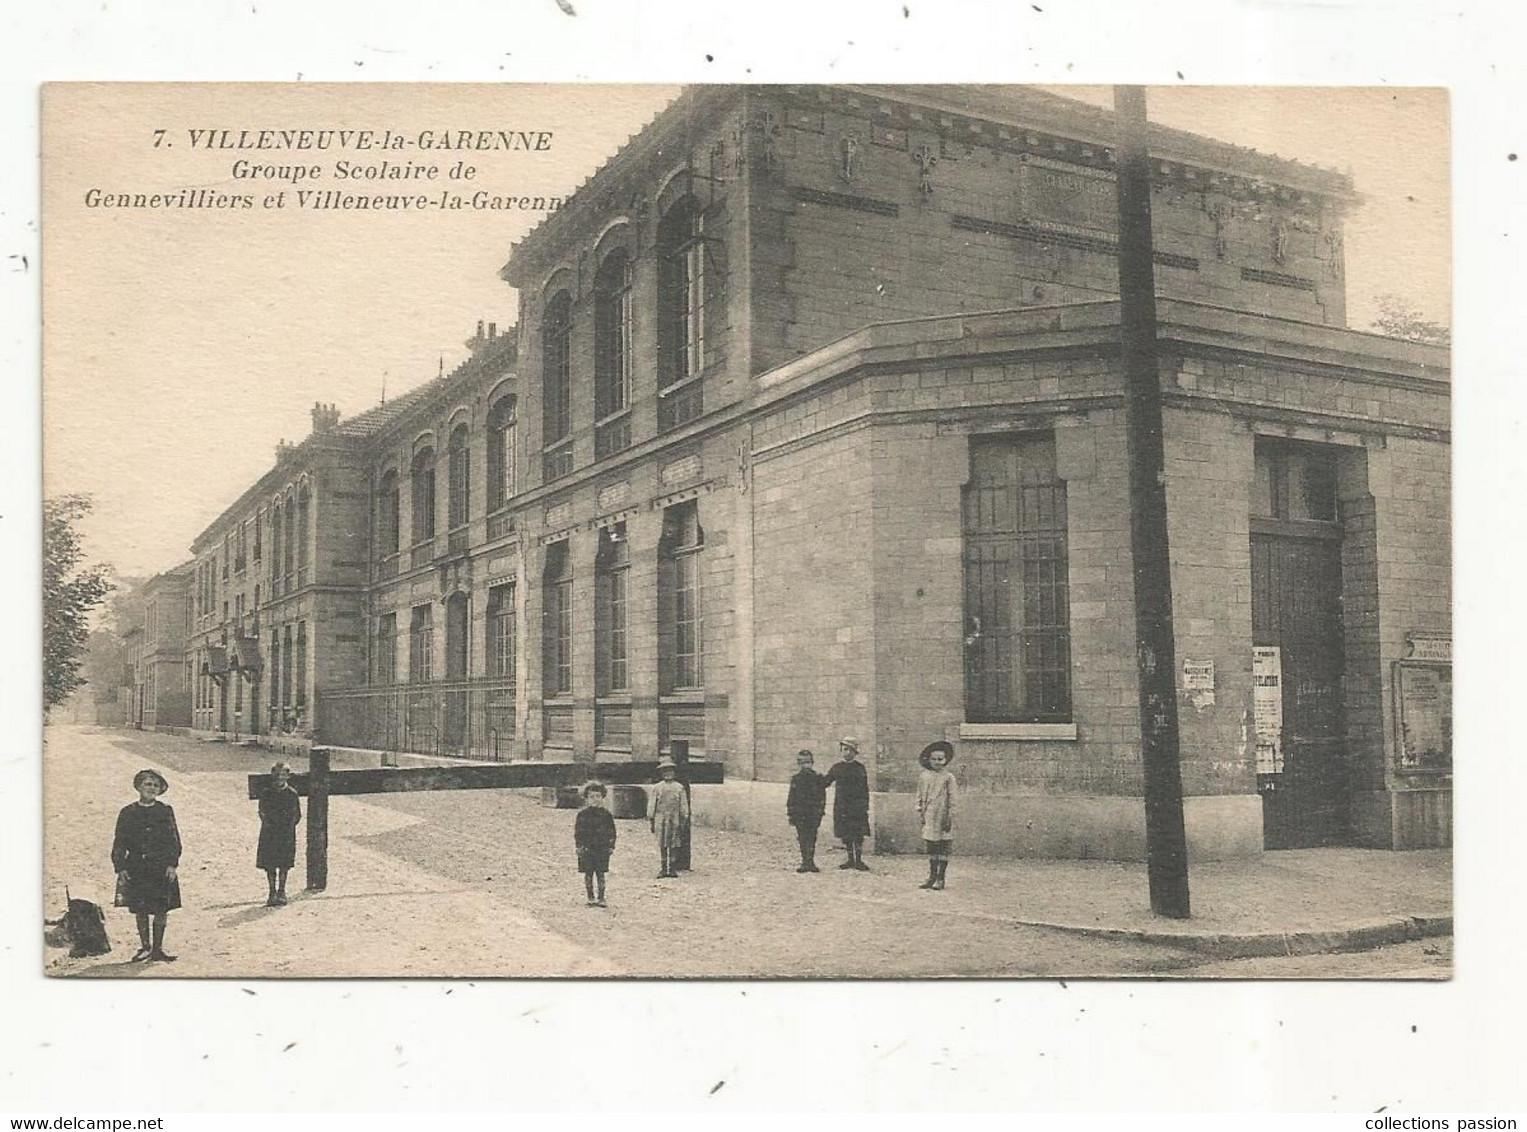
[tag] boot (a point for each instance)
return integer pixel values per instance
(599, 899)
(932, 874)
(158, 951)
(859, 857)
(849, 863)
(588, 887)
(938, 880)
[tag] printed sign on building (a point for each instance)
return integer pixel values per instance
(1267, 706)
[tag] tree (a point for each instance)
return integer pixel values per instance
(1401, 319)
(69, 593)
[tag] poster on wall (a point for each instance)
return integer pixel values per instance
(1424, 707)
(1267, 706)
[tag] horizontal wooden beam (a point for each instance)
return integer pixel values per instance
(496, 776)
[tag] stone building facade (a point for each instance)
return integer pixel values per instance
(812, 424)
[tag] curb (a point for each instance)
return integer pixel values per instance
(1257, 945)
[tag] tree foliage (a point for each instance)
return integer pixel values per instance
(1401, 319)
(69, 593)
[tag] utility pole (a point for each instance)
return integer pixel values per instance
(1165, 840)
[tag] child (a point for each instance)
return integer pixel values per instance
(280, 811)
(850, 803)
(804, 806)
(667, 812)
(594, 838)
(145, 853)
(935, 805)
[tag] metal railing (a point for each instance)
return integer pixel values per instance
(461, 718)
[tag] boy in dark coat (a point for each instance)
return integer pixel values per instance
(145, 854)
(594, 838)
(850, 803)
(280, 811)
(804, 807)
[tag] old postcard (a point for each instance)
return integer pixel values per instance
(795, 531)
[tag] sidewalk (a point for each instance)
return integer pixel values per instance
(480, 884)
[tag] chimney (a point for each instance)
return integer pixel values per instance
(325, 417)
(492, 331)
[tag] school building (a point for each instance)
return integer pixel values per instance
(812, 424)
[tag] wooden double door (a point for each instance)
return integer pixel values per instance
(1296, 608)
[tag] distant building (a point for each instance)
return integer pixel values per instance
(812, 424)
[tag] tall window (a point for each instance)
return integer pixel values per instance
(501, 635)
(304, 533)
(289, 549)
(612, 567)
(503, 453)
(259, 528)
(557, 622)
(387, 648)
(459, 483)
(276, 668)
(682, 293)
(680, 628)
(227, 554)
(388, 506)
(276, 544)
(301, 677)
(422, 484)
(286, 666)
(557, 387)
(1017, 611)
(612, 354)
(241, 548)
(421, 644)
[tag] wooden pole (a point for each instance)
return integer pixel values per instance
(318, 819)
(1165, 837)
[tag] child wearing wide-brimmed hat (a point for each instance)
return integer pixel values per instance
(935, 806)
(594, 838)
(280, 811)
(145, 854)
(667, 811)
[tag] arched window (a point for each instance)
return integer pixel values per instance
(304, 533)
(503, 454)
(612, 354)
(277, 545)
(387, 518)
(557, 387)
(421, 476)
(459, 484)
(682, 284)
(289, 550)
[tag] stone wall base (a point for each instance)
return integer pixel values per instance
(1404, 819)
(1024, 825)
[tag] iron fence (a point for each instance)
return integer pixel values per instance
(460, 718)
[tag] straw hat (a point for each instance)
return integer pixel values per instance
(147, 773)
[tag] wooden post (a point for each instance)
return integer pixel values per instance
(318, 819)
(1165, 839)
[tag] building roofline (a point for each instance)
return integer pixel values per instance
(1015, 107)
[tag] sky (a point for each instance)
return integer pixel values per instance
(180, 345)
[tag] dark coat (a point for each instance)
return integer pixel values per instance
(280, 811)
(850, 799)
(147, 843)
(594, 838)
(807, 800)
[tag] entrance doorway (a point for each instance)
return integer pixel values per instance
(1296, 609)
